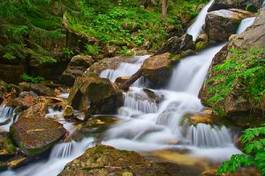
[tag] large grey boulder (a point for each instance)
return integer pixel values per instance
(221, 24)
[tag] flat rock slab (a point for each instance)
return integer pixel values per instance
(36, 135)
(108, 161)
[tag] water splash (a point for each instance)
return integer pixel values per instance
(196, 27)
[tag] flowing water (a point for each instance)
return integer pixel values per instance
(196, 27)
(245, 23)
(148, 123)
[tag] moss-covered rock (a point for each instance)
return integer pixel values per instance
(92, 94)
(105, 161)
(235, 86)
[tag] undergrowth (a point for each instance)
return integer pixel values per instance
(244, 72)
(253, 153)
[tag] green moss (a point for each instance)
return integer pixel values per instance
(243, 71)
(201, 45)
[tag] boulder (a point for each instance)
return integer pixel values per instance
(157, 69)
(108, 63)
(98, 161)
(36, 135)
(176, 44)
(75, 68)
(221, 24)
(92, 94)
(42, 89)
(206, 116)
(238, 104)
(251, 5)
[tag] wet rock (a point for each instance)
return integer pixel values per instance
(94, 126)
(68, 112)
(13, 162)
(36, 135)
(108, 63)
(43, 88)
(221, 24)
(75, 68)
(98, 161)
(121, 80)
(92, 94)
(157, 69)
(206, 117)
(251, 5)
(153, 96)
(176, 44)
(23, 101)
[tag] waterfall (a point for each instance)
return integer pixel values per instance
(60, 155)
(245, 23)
(125, 69)
(204, 135)
(196, 27)
(7, 117)
(147, 125)
(138, 100)
(189, 74)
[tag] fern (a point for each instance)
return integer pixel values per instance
(254, 152)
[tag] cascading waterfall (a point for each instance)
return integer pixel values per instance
(138, 100)
(60, 155)
(147, 125)
(125, 69)
(245, 23)
(191, 71)
(196, 27)
(7, 117)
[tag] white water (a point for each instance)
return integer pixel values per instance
(7, 117)
(190, 72)
(59, 157)
(125, 69)
(147, 125)
(245, 23)
(196, 27)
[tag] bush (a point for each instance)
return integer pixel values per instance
(32, 79)
(243, 69)
(254, 152)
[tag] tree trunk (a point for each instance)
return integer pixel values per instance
(164, 8)
(125, 86)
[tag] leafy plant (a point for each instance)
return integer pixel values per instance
(92, 50)
(243, 70)
(254, 152)
(32, 79)
(67, 52)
